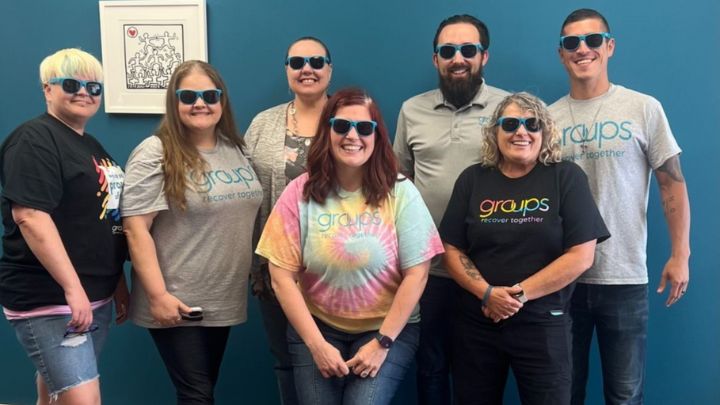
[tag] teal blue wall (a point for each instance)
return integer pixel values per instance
(665, 48)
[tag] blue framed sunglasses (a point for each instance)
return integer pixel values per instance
(189, 97)
(316, 62)
(71, 85)
(342, 126)
(594, 40)
(468, 51)
(511, 124)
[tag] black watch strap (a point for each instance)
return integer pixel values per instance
(385, 341)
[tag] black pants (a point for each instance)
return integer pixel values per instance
(535, 347)
(192, 356)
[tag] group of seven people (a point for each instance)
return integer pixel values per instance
(349, 230)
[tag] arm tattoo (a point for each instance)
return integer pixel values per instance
(668, 204)
(672, 168)
(670, 173)
(470, 269)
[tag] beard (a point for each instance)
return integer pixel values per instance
(459, 92)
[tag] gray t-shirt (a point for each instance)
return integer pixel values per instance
(435, 142)
(205, 251)
(618, 138)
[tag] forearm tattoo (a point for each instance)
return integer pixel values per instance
(671, 173)
(470, 269)
(668, 205)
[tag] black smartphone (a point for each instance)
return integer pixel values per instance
(195, 314)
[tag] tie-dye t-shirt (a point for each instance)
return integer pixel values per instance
(350, 255)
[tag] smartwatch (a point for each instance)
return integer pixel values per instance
(385, 341)
(521, 295)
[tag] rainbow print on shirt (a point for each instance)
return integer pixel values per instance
(110, 180)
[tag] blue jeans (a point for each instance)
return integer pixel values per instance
(62, 362)
(276, 325)
(437, 306)
(314, 389)
(619, 314)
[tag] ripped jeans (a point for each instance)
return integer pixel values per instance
(63, 362)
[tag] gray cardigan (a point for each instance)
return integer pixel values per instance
(265, 141)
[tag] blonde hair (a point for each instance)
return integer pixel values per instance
(180, 156)
(550, 150)
(70, 62)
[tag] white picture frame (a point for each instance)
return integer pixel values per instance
(142, 42)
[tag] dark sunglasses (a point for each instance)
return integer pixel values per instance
(511, 124)
(448, 51)
(72, 86)
(594, 40)
(316, 62)
(342, 126)
(71, 332)
(211, 96)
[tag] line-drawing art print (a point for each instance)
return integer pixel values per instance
(152, 52)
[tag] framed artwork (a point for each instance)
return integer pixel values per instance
(143, 41)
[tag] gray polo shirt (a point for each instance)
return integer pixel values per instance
(435, 141)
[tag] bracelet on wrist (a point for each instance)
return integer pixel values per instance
(486, 295)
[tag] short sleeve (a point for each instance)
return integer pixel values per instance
(453, 227)
(661, 142)
(401, 148)
(32, 170)
(581, 219)
(418, 239)
(144, 180)
(280, 240)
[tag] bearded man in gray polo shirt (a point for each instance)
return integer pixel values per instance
(438, 136)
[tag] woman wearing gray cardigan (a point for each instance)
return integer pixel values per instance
(278, 140)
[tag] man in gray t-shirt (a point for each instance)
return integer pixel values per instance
(438, 136)
(618, 136)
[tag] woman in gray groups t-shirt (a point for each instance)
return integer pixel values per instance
(189, 206)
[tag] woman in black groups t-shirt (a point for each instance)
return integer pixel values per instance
(520, 227)
(63, 246)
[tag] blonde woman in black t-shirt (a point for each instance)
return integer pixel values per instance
(63, 247)
(520, 227)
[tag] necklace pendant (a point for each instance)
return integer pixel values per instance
(293, 119)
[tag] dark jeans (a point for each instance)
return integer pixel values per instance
(314, 389)
(437, 305)
(536, 346)
(276, 325)
(192, 356)
(619, 314)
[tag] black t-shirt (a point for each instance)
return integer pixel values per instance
(47, 166)
(512, 228)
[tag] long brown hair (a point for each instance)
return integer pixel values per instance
(180, 156)
(379, 172)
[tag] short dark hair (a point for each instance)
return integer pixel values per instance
(584, 14)
(467, 19)
(379, 172)
(309, 38)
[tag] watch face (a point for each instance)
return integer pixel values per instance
(520, 297)
(385, 341)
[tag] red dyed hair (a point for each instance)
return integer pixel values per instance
(380, 172)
